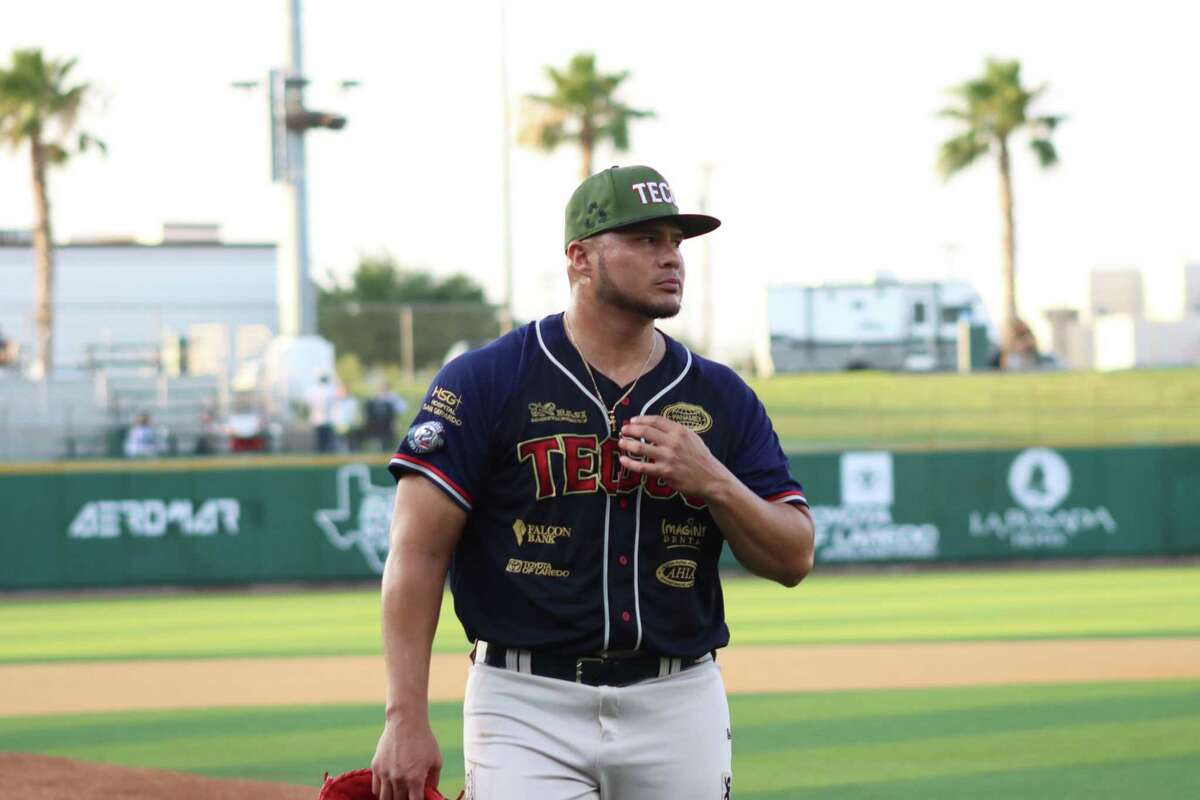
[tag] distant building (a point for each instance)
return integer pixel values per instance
(884, 325)
(1116, 291)
(1191, 290)
(1114, 333)
(113, 293)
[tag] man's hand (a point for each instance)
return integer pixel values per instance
(406, 760)
(671, 452)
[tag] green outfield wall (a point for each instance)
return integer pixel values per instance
(109, 524)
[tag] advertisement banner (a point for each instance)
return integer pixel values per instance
(218, 521)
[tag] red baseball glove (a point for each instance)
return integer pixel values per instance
(356, 785)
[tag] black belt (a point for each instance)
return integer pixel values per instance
(593, 670)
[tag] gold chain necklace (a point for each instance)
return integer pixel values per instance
(612, 412)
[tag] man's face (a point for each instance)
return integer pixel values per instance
(640, 269)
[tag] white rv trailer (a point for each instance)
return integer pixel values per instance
(883, 325)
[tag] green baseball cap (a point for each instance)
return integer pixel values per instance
(621, 196)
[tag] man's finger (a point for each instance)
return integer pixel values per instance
(653, 421)
(635, 447)
(647, 432)
(643, 467)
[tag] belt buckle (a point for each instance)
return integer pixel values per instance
(579, 662)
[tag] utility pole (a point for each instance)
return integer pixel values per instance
(506, 313)
(706, 243)
(290, 120)
(297, 298)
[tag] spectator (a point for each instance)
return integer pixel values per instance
(344, 418)
(321, 398)
(143, 440)
(206, 437)
(381, 413)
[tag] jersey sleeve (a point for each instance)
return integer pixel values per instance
(449, 441)
(757, 458)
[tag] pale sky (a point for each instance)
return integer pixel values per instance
(818, 120)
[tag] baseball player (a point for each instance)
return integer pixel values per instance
(578, 478)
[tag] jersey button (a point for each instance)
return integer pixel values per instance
(624, 503)
(626, 616)
(622, 560)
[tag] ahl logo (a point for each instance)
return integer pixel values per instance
(1039, 479)
(363, 516)
(679, 573)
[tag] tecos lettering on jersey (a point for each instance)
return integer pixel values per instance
(563, 549)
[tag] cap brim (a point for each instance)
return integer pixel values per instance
(696, 224)
(690, 224)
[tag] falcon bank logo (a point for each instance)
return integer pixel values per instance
(363, 515)
(1040, 482)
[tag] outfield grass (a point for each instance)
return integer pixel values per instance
(824, 411)
(1150, 601)
(1111, 740)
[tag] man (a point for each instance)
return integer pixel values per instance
(380, 413)
(321, 398)
(142, 438)
(578, 477)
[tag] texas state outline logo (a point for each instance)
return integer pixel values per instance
(363, 516)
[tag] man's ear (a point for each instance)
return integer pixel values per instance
(580, 260)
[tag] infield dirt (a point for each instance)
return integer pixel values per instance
(49, 688)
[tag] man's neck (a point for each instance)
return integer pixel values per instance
(614, 342)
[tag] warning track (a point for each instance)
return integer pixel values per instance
(53, 688)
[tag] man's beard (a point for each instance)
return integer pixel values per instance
(609, 292)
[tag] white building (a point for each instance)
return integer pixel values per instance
(114, 295)
(120, 311)
(1116, 291)
(1191, 290)
(1114, 333)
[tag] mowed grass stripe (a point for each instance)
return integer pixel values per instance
(1145, 779)
(1052, 603)
(967, 742)
(963, 755)
(1002, 714)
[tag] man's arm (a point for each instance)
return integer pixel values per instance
(773, 540)
(426, 525)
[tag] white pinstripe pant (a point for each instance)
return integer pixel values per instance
(526, 736)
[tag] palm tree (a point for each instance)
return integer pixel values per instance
(38, 107)
(581, 109)
(990, 109)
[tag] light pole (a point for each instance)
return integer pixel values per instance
(290, 120)
(506, 320)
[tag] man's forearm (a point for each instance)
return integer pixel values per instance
(773, 540)
(411, 602)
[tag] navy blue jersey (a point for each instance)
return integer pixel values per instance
(564, 550)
